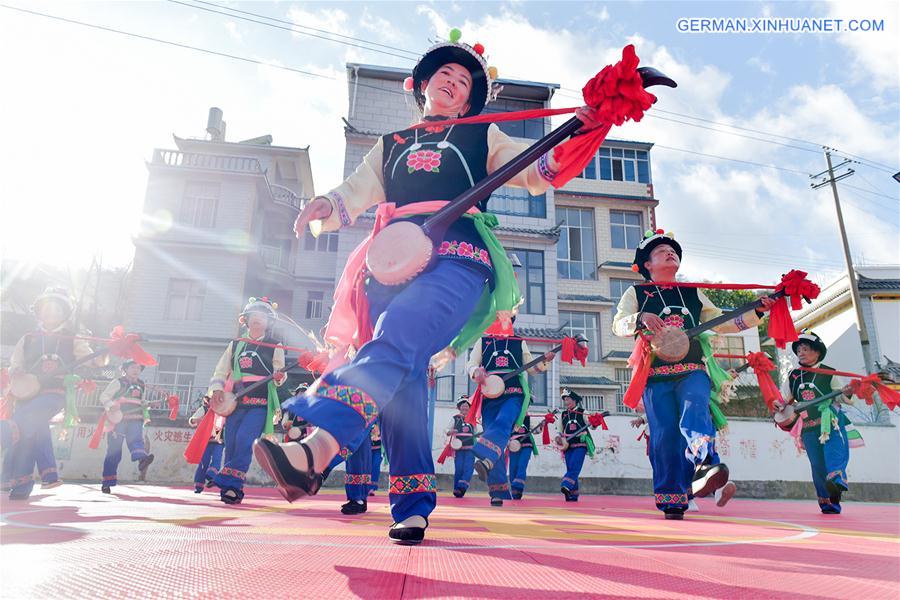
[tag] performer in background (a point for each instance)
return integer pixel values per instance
(522, 438)
(209, 465)
(463, 458)
(127, 397)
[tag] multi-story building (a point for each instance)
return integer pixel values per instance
(217, 229)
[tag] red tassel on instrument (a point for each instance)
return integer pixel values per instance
(125, 345)
(447, 453)
(797, 287)
(763, 366)
(545, 436)
(172, 401)
(864, 386)
(197, 446)
(571, 349)
(640, 361)
(596, 420)
(475, 408)
(98, 433)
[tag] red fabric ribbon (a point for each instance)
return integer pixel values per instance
(125, 345)
(549, 418)
(762, 366)
(640, 370)
(617, 94)
(797, 287)
(596, 420)
(864, 386)
(475, 407)
(98, 433)
(447, 453)
(197, 446)
(571, 349)
(172, 400)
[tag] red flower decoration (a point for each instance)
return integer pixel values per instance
(674, 321)
(617, 92)
(424, 160)
(399, 140)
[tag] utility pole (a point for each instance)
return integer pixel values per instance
(851, 273)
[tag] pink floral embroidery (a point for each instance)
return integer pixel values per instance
(676, 369)
(502, 361)
(424, 160)
(674, 321)
(808, 395)
(465, 250)
(246, 362)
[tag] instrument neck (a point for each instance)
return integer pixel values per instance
(730, 315)
(436, 225)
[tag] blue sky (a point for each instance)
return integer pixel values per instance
(90, 106)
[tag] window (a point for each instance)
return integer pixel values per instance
(538, 385)
(176, 373)
(618, 164)
(198, 207)
(626, 228)
(530, 128)
(314, 302)
(617, 289)
(586, 325)
(184, 302)
(623, 378)
(326, 242)
(530, 277)
(728, 344)
(518, 202)
(576, 256)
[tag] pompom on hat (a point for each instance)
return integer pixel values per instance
(60, 294)
(259, 305)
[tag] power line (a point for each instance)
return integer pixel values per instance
(737, 160)
(320, 76)
(291, 29)
(576, 93)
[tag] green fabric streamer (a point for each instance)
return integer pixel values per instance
(828, 416)
(717, 376)
(589, 442)
(146, 411)
(526, 391)
(718, 417)
(505, 297)
(69, 382)
(534, 449)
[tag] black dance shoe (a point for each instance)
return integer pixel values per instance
(496, 501)
(674, 514)
(231, 495)
(516, 495)
(709, 478)
(407, 536)
(354, 508)
(483, 466)
(292, 484)
(142, 466)
(459, 492)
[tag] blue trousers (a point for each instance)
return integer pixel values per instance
(358, 475)
(31, 422)
(518, 468)
(828, 461)
(242, 428)
(574, 464)
(463, 465)
(209, 463)
(389, 376)
(681, 433)
(44, 459)
(130, 431)
(376, 468)
(498, 417)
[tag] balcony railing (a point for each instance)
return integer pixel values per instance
(285, 196)
(275, 256)
(211, 162)
(156, 395)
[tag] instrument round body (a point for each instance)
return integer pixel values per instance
(398, 253)
(514, 445)
(24, 386)
(226, 406)
(456, 443)
(671, 344)
(294, 433)
(785, 418)
(493, 386)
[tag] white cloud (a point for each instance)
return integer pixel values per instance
(874, 53)
(603, 15)
(233, 31)
(763, 66)
(333, 20)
